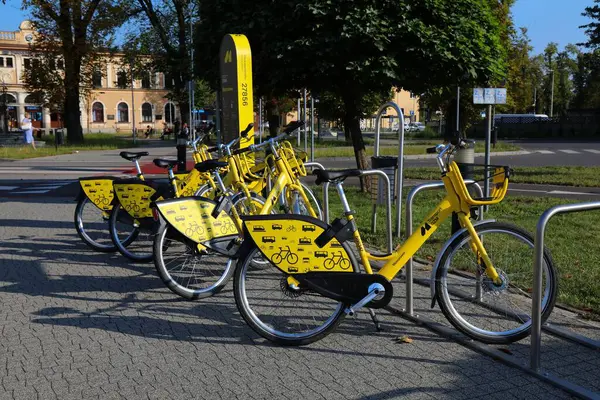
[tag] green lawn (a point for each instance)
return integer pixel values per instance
(572, 239)
(93, 141)
(328, 149)
(568, 176)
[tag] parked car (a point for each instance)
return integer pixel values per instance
(416, 127)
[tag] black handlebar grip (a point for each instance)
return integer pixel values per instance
(212, 149)
(241, 151)
(244, 133)
(431, 150)
(293, 126)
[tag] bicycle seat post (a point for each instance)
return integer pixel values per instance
(137, 167)
(342, 195)
(220, 183)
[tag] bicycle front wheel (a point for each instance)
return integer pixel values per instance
(474, 304)
(279, 312)
(187, 271)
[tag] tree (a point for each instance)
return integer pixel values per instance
(79, 28)
(356, 49)
(163, 30)
(592, 30)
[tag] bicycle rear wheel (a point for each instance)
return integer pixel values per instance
(187, 271)
(279, 312)
(474, 304)
(121, 224)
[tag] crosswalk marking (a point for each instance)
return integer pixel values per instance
(32, 192)
(593, 151)
(8, 187)
(545, 151)
(570, 151)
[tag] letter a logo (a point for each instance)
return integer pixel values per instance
(228, 56)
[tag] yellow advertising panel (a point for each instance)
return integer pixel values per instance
(289, 243)
(99, 191)
(135, 198)
(236, 88)
(192, 217)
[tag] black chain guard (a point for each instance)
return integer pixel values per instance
(347, 287)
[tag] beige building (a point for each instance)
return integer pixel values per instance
(112, 105)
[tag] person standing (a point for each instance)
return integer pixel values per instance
(27, 128)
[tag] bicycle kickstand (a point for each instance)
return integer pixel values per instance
(375, 320)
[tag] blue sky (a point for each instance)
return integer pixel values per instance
(546, 20)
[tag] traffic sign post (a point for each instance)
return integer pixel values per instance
(489, 97)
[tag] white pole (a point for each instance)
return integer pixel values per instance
(304, 119)
(312, 128)
(298, 118)
(260, 120)
(458, 109)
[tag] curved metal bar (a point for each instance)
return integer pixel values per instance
(400, 172)
(314, 164)
(388, 197)
(409, 230)
(536, 313)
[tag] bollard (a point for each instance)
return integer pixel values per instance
(181, 153)
(464, 156)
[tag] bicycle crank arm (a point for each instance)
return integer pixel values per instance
(376, 292)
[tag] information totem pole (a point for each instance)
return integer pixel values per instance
(236, 88)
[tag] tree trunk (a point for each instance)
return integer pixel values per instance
(352, 130)
(72, 110)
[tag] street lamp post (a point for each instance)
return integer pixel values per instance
(552, 95)
(3, 107)
(133, 133)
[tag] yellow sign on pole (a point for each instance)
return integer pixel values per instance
(235, 59)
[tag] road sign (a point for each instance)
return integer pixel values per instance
(412, 112)
(489, 96)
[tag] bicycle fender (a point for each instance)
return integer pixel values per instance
(436, 264)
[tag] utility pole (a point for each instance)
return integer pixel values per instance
(192, 94)
(457, 108)
(552, 96)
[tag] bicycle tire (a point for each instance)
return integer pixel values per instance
(162, 243)
(97, 244)
(471, 322)
(126, 251)
(265, 326)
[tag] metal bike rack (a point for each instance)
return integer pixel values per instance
(314, 164)
(409, 230)
(536, 324)
(400, 172)
(388, 192)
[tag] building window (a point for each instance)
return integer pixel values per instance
(123, 112)
(1, 61)
(122, 80)
(60, 63)
(9, 62)
(147, 112)
(146, 81)
(97, 79)
(412, 95)
(8, 99)
(98, 112)
(27, 62)
(169, 113)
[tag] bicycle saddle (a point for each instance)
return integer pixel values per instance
(334, 176)
(133, 156)
(210, 165)
(164, 162)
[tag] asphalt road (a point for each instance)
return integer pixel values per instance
(57, 176)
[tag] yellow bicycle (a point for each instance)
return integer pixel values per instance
(481, 289)
(130, 222)
(196, 263)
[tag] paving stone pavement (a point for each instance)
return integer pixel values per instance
(76, 324)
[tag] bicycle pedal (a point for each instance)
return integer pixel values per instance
(376, 292)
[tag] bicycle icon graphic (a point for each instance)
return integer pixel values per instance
(291, 228)
(227, 227)
(285, 254)
(335, 260)
(194, 229)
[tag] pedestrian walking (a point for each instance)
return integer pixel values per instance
(27, 128)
